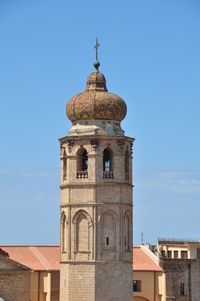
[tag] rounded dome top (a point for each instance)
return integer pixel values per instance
(96, 102)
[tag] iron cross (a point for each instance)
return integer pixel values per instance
(96, 47)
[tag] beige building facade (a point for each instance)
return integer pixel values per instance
(96, 198)
(149, 279)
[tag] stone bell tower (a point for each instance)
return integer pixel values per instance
(96, 197)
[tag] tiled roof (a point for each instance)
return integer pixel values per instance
(144, 261)
(41, 258)
(44, 258)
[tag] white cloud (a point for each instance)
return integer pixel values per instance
(177, 181)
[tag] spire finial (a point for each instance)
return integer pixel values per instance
(96, 63)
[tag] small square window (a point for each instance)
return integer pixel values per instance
(137, 285)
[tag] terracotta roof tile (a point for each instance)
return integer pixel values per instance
(39, 258)
(44, 258)
(143, 262)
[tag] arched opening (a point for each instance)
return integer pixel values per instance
(107, 163)
(82, 163)
(127, 171)
(82, 233)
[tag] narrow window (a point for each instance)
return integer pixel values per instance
(176, 254)
(107, 163)
(182, 289)
(163, 253)
(137, 285)
(82, 163)
(169, 254)
(107, 241)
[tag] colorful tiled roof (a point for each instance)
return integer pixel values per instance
(96, 102)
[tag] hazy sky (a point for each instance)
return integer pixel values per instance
(150, 55)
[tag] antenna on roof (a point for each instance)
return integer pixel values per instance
(142, 238)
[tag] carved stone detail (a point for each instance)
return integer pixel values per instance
(70, 145)
(94, 143)
(120, 144)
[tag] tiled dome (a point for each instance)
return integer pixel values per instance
(96, 102)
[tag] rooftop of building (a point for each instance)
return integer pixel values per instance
(40, 258)
(47, 257)
(145, 260)
(173, 241)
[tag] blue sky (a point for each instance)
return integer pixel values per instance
(150, 56)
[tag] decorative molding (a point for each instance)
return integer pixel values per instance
(70, 144)
(94, 143)
(131, 147)
(120, 143)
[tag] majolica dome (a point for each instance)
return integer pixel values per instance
(96, 103)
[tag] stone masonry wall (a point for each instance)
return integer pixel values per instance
(185, 271)
(15, 286)
(108, 286)
(55, 285)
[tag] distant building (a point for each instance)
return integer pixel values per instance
(37, 274)
(149, 283)
(181, 261)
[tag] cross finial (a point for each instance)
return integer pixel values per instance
(97, 45)
(96, 63)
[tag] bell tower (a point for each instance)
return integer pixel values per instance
(96, 197)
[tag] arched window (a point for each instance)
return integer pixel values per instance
(127, 244)
(108, 232)
(82, 233)
(63, 233)
(127, 165)
(82, 163)
(107, 163)
(64, 164)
